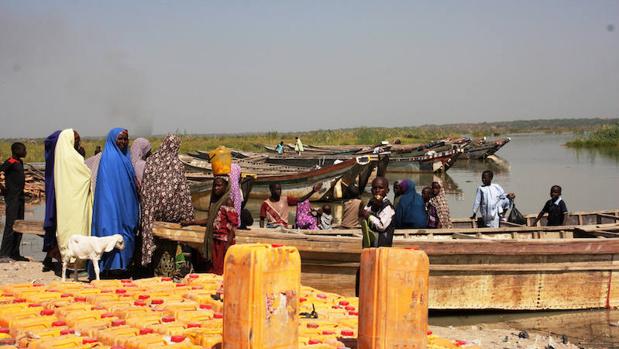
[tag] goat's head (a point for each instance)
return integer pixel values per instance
(119, 242)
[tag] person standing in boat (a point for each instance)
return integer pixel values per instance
(410, 211)
(274, 210)
(377, 220)
(431, 211)
(279, 148)
(439, 200)
(491, 201)
(352, 208)
(555, 207)
(298, 145)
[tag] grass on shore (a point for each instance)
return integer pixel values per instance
(606, 136)
(351, 136)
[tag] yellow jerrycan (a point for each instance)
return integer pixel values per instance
(221, 160)
(261, 290)
(393, 299)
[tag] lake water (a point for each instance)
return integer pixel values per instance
(528, 166)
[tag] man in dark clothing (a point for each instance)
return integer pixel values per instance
(555, 207)
(14, 199)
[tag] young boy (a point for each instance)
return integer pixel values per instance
(555, 207)
(491, 201)
(431, 211)
(326, 219)
(376, 220)
(14, 198)
(378, 215)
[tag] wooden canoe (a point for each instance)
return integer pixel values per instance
(335, 179)
(515, 268)
(481, 149)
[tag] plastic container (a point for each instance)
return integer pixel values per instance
(262, 284)
(221, 161)
(393, 298)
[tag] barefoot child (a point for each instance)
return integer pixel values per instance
(555, 207)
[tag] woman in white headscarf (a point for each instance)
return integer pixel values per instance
(74, 197)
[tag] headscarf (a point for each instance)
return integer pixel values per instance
(49, 224)
(304, 218)
(93, 164)
(165, 193)
(410, 211)
(207, 247)
(72, 189)
(235, 191)
(139, 148)
(116, 209)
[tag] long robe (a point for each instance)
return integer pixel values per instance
(410, 211)
(491, 202)
(139, 148)
(49, 223)
(116, 209)
(74, 197)
(165, 193)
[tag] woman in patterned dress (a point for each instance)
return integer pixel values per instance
(165, 193)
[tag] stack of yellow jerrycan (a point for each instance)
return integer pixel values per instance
(262, 299)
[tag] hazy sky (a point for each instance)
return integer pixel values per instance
(242, 66)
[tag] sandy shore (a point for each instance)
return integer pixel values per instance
(494, 336)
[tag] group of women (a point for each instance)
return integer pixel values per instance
(426, 210)
(122, 190)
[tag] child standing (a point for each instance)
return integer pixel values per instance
(431, 211)
(14, 198)
(376, 220)
(378, 215)
(491, 201)
(555, 207)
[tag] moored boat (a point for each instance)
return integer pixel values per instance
(524, 268)
(515, 268)
(482, 148)
(335, 179)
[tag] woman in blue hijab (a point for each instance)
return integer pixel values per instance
(116, 209)
(410, 211)
(49, 223)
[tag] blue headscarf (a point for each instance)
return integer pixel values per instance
(116, 209)
(410, 211)
(49, 224)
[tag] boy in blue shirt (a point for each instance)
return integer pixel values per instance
(555, 207)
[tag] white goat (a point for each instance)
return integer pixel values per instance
(89, 247)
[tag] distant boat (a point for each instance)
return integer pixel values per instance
(482, 148)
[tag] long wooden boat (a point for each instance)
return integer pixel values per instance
(481, 149)
(335, 179)
(428, 163)
(526, 268)
(514, 268)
